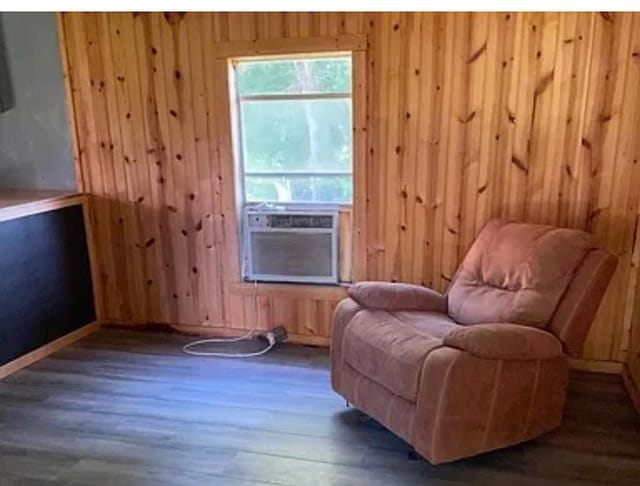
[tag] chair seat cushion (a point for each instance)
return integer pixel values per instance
(390, 347)
(434, 324)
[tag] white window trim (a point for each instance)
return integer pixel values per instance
(295, 96)
(242, 173)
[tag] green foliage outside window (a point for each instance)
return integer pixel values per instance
(289, 136)
(289, 76)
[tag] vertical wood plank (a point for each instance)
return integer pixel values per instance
(358, 240)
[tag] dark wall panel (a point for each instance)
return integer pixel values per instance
(45, 280)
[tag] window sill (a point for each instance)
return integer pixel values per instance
(292, 290)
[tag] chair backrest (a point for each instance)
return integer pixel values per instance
(536, 275)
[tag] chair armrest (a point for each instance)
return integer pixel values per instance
(397, 296)
(504, 341)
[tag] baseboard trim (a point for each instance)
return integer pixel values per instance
(609, 367)
(210, 331)
(44, 351)
(632, 387)
(596, 366)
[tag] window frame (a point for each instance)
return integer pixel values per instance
(242, 173)
(223, 126)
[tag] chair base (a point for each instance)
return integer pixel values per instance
(469, 414)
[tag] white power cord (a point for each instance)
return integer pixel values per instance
(187, 348)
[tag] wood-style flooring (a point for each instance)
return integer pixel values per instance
(128, 408)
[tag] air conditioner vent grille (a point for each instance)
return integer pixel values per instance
(298, 221)
(292, 254)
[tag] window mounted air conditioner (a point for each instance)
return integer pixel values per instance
(290, 245)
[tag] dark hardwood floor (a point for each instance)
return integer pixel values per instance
(127, 408)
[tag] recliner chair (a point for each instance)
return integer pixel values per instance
(484, 365)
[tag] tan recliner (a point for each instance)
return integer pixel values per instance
(484, 365)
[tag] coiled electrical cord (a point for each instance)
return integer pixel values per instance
(188, 348)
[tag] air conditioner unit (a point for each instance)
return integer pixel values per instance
(290, 245)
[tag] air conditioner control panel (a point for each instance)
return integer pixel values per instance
(258, 220)
(271, 220)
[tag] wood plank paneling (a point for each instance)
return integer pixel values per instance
(469, 116)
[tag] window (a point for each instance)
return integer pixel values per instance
(295, 131)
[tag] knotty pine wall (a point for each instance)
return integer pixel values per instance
(531, 116)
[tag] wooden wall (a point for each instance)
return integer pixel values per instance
(530, 116)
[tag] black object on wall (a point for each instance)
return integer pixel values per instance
(7, 99)
(45, 280)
